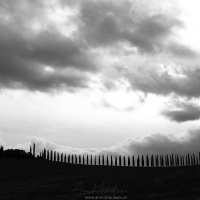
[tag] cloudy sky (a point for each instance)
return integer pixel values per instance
(100, 75)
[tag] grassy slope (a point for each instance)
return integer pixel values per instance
(34, 179)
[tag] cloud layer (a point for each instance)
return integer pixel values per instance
(184, 112)
(83, 39)
(156, 143)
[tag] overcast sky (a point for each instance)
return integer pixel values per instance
(113, 75)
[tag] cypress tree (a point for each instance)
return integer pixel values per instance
(129, 161)
(194, 161)
(120, 160)
(61, 157)
(111, 160)
(95, 161)
(124, 160)
(29, 151)
(99, 160)
(87, 160)
(51, 156)
(188, 159)
(138, 161)
(172, 160)
(54, 157)
(162, 161)
(133, 161)
(142, 161)
(157, 161)
(58, 157)
(187, 164)
(103, 160)
(107, 162)
(115, 160)
(44, 154)
(183, 160)
(34, 150)
(48, 154)
(83, 160)
(91, 160)
(65, 158)
(167, 160)
(79, 160)
(147, 160)
(68, 158)
(152, 161)
(72, 158)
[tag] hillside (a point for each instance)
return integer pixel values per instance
(38, 179)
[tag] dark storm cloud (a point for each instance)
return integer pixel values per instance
(107, 22)
(149, 80)
(183, 112)
(24, 54)
(182, 51)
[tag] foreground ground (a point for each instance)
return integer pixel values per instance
(37, 179)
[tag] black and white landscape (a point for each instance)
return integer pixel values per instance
(96, 92)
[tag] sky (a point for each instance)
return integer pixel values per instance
(100, 76)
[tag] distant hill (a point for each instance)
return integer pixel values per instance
(39, 179)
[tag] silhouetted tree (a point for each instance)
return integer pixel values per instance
(72, 158)
(178, 160)
(124, 161)
(1, 151)
(91, 160)
(58, 157)
(115, 160)
(54, 156)
(99, 160)
(133, 161)
(183, 160)
(157, 161)
(79, 159)
(111, 160)
(162, 161)
(51, 155)
(47, 154)
(172, 160)
(107, 161)
(83, 160)
(44, 156)
(65, 158)
(87, 160)
(138, 161)
(188, 159)
(30, 151)
(152, 161)
(34, 150)
(120, 162)
(95, 161)
(167, 161)
(194, 160)
(142, 161)
(191, 160)
(103, 160)
(147, 160)
(129, 163)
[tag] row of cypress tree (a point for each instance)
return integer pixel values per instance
(139, 161)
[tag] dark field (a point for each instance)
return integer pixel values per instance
(37, 179)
